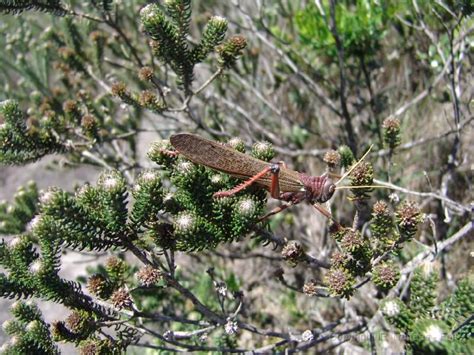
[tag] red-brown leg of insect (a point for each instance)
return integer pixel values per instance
(326, 213)
(275, 211)
(293, 199)
(275, 186)
(245, 184)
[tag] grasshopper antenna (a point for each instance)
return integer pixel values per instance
(355, 165)
(363, 187)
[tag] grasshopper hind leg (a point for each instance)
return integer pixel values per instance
(274, 169)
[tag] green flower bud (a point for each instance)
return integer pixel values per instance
(146, 74)
(311, 288)
(385, 275)
(121, 299)
(263, 151)
(352, 241)
(408, 217)
(162, 153)
(237, 143)
(150, 101)
(89, 125)
(80, 322)
(340, 282)
(98, 346)
(340, 259)
(362, 175)
(185, 223)
(99, 286)
(293, 253)
(149, 276)
(347, 157)
(49, 196)
(120, 90)
(382, 227)
(116, 268)
(230, 51)
(185, 167)
(332, 158)
(391, 132)
(246, 206)
(430, 336)
(112, 181)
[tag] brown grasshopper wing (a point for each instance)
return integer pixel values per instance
(222, 158)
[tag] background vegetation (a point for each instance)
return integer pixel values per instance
(313, 83)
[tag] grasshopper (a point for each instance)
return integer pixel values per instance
(283, 183)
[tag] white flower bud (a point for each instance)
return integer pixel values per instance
(184, 167)
(47, 196)
(35, 222)
(307, 335)
(246, 206)
(434, 333)
(185, 222)
(231, 327)
(35, 266)
(391, 308)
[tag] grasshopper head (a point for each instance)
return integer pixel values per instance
(318, 188)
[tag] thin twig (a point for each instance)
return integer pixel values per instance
(466, 231)
(459, 207)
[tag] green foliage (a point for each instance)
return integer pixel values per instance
(98, 217)
(423, 292)
(358, 254)
(170, 42)
(457, 307)
(15, 216)
(347, 156)
(92, 219)
(398, 314)
(230, 51)
(28, 331)
(55, 7)
(88, 86)
(361, 25)
(430, 327)
(20, 144)
(104, 5)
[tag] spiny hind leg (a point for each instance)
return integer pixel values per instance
(291, 199)
(274, 169)
(275, 211)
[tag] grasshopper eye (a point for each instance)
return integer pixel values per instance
(328, 191)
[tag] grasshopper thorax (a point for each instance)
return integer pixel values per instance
(318, 188)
